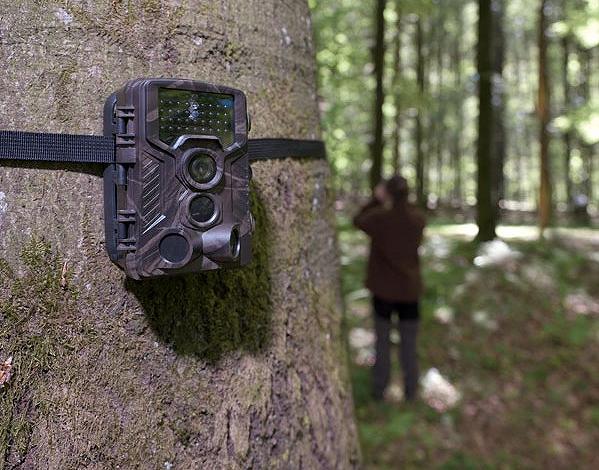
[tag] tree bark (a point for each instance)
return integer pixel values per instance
(378, 57)
(544, 114)
(230, 369)
(486, 212)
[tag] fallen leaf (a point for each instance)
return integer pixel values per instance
(5, 371)
(63, 275)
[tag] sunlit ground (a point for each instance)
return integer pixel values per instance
(514, 232)
(509, 351)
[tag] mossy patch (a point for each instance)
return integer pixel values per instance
(33, 306)
(212, 313)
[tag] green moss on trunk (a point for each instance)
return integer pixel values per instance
(212, 313)
(34, 307)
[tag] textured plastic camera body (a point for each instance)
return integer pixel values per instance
(150, 230)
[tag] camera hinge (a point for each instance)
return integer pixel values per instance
(125, 218)
(124, 135)
(126, 245)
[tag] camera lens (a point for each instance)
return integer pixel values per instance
(202, 209)
(202, 168)
(235, 243)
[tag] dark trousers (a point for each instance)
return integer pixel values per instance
(409, 316)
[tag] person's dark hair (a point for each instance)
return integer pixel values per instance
(397, 187)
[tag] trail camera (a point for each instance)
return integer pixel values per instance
(176, 183)
(177, 196)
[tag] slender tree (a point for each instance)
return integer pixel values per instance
(397, 74)
(544, 116)
(378, 56)
(586, 57)
(459, 111)
(567, 136)
(486, 213)
(498, 102)
(419, 131)
(438, 127)
(518, 133)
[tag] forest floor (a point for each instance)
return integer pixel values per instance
(509, 347)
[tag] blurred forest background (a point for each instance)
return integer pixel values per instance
(424, 67)
(490, 108)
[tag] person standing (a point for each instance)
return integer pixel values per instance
(396, 229)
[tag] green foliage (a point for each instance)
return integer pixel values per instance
(462, 461)
(343, 32)
(580, 19)
(448, 106)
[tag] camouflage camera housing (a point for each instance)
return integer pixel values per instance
(177, 198)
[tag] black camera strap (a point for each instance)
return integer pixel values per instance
(71, 148)
(268, 149)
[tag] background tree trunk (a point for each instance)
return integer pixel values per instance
(567, 136)
(397, 74)
(419, 131)
(544, 112)
(230, 369)
(486, 212)
(459, 112)
(498, 101)
(378, 57)
(585, 57)
(438, 124)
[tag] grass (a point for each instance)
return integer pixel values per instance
(523, 360)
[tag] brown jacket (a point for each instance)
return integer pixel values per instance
(394, 265)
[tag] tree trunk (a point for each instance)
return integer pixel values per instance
(397, 72)
(439, 124)
(459, 112)
(378, 57)
(586, 57)
(568, 133)
(420, 196)
(518, 134)
(486, 212)
(544, 113)
(230, 369)
(498, 101)
(590, 172)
